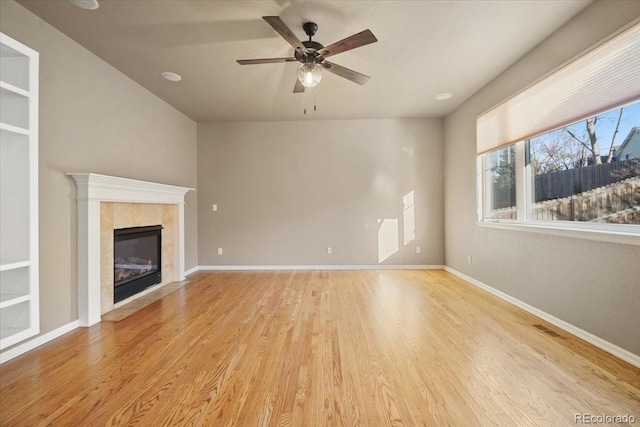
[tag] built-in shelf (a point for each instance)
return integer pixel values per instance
(19, 293)
(14, 108)
(11, 336)
(6, 333)
(12, 265)
(15, 129)
(9, 89)
(7, 300)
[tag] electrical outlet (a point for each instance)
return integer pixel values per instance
(469, 259)
(418, 249)
(329, 250)
(214, 207)
(219, 251)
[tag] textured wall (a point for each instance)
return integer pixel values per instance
(93, 119)
(592, 285)
(288, 190)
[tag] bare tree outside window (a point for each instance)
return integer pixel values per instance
(589, 170)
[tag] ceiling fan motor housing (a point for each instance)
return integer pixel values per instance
(311, 55)
(310, 28)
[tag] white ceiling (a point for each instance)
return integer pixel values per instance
(424, 48)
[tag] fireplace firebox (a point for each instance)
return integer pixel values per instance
(137, 256)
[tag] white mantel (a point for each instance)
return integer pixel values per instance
(93, 189)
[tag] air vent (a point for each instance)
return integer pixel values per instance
(547, 331)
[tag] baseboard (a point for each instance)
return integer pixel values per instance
(316, 267)
(613, 349)
(191, 271)
(37, 341)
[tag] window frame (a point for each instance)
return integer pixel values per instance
(615, 233)
(486, 183)
(560, 98)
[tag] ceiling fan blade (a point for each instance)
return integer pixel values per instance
(265, 61)
(357, 40)
(299, 87)
(348, 74)
(284, 31)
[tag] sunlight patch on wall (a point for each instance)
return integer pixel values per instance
(409, 218)
(387, 238)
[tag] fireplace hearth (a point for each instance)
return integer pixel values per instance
(137, 256)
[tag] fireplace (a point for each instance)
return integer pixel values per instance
(137, 260)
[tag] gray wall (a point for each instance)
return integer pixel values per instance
(93, 119)
(592, 285)
(288, 190)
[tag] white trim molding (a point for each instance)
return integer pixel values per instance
(613, 349)
(313, 267)
(191, 270)
(627, 234)
(94, 189)
(37, 341)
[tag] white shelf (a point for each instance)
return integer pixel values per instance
(14, 108)
(9, 89)
(7, 300)
(19, 287)
(12, 265)
(14, 129)
(11, 336)
(8, 332)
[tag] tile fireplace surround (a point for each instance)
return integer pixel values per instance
(125, 215)
(94, 190)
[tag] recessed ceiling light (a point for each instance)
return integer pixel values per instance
(86, 4)
(172, 77)
(444, 96)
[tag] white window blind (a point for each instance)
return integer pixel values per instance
(604, 78)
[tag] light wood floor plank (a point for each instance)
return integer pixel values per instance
(318, 348)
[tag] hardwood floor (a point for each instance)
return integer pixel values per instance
(314, 348)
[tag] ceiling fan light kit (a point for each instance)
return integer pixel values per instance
(310, 74)
(312, 55)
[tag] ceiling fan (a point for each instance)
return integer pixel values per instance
(312, 55)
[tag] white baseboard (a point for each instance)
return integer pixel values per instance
(316, 267)
(613, 349)
(191, 271)
(37, 341)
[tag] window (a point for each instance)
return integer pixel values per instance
(500, 176)
(563, 155)
(589, 170)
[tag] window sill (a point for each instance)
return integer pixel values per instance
(602, 232)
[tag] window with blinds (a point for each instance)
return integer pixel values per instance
(602, 79)
(566, 150)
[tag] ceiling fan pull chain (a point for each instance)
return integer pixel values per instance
(314, 101)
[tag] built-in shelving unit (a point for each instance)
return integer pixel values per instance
(19, 294)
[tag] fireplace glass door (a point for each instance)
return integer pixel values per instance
(137, 260)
